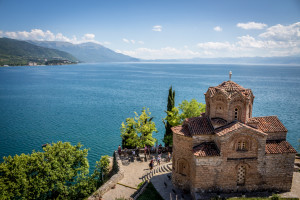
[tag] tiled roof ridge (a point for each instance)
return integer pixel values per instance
(234, 125)
(279, 147)
(269, 124)
(199, 125)
(228, 88)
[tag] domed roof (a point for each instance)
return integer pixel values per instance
(229, 89)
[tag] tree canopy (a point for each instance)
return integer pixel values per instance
(171, 104)
(137, 131)
(185, 110)
(59, 172)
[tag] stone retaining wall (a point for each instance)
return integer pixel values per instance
(111, 182)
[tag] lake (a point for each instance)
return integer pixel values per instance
(87, 103)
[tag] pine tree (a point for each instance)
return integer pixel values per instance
(168, 137)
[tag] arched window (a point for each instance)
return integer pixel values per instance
(182, 167)
(241, 175)
(236, 113)
(241, 146)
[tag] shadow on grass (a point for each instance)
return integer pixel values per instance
(150, 193)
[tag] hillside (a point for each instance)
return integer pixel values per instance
(16, 52)
(87, 52)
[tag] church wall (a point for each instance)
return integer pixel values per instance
(277, 136)
(182, 161)
(208, 171)
(198, 139)
(279, 171)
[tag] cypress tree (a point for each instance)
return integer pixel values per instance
(168, 137)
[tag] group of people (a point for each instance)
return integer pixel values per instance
(158, 160)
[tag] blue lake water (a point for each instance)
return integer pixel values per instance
(87, 103)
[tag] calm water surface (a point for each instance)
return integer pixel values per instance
(87, 103)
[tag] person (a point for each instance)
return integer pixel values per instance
(151, 164)
(119, 149)
(158, 159)
(169, 156)
(145, 151)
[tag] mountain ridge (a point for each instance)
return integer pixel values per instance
(87, 52)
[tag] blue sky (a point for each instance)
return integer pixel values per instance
(161, 29)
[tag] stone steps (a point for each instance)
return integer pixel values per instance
(161, 169)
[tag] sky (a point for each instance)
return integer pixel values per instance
(161, 29)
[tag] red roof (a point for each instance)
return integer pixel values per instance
(181, 130)
(206, 149)
(276, 147)
(199, 125)
(269, 124)
(230, 88)
(223, 130)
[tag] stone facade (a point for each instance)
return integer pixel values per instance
(226, 149)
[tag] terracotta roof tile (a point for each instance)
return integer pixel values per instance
(276, 147)
(181, 130)
(230, 89)
(269, 124)
(223, 130)
(206, 149)
(199, 125)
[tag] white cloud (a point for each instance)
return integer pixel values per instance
(157, 28)
(251, 25)
(141, 42)
(283, 33)
(125, 40)
(218, 29)
(215, 45)
(132, 41)
(162, 53)
(40, 35)
(88, 36)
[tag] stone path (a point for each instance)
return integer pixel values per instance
(138, 171)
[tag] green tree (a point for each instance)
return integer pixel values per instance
(129, 135)
(60, 172)
(171, 104)
(137, 131)
(185, 110)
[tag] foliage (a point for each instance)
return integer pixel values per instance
(60, 172)
(104, 164)
(15, 52)
(129, 134)
(275, 197)
(150, 193)
(137, 131)
(168, 139)
(185, 110)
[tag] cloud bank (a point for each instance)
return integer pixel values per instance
(40, 35)
(251, 25)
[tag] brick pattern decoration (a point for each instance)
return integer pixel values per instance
(206, 149)
(275, 147)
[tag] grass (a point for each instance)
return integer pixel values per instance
(150, 193)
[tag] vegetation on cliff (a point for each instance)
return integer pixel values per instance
(61, 171)
(16, 52)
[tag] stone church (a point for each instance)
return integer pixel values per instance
(228, 150)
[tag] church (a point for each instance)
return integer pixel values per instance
(226, 149)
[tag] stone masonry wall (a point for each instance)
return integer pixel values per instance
(279, 171)
(182, 154)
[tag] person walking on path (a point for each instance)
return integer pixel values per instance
(158, 159)
(151, 164)
(169, 157)
(119, 150)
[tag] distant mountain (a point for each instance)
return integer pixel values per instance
(16, 52)
(239, 60)
(87, 52)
